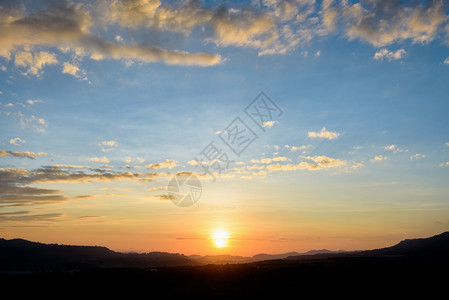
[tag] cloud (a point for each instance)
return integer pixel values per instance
(417, 156)
(294, 148)
(167, 164)
(99, 159)
(94, 29)
(269, 124)
(318, 53)
(318, 163)
(446, 61)
(331, 135)
(269, 160)
(16, 141)
(34, 62)
(74, 70)
(163, 197)
(27, 154)
(447, 144)
(63, 24)
(107, 146)
(30, 102)
(24, 216)
(444, 164)
(389, 55)
(35, 123)
(381, 22)
(394, 148)
(378, 158)
(158, 188)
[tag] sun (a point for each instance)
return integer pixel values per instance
(220, 238)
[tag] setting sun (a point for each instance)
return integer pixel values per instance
(220, 238)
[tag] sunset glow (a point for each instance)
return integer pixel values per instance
(224, 127)
(220, 238)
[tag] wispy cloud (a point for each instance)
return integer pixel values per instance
(33, 122)
(417, 156)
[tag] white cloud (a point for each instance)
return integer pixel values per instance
(167, 164)
(32, 102)
(16, 141)
(446, 61)
(107, 146)
(394, 148)
(269, 124)
(99, 159)
(74, 70)
(447, 144)
(389, 55)
(444, 164)
(417, 156)
(318, 163)
(269, 160)
(331, 135)
(378, 158)
(303, 147)
(318, 53)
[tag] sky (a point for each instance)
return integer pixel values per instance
(210, 127)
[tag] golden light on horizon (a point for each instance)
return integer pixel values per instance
(220, 238)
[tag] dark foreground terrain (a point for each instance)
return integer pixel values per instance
(418, 268)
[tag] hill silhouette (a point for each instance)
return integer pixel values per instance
(435, 247)
(414, 267)
(23, 255)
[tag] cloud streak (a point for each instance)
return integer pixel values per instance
(27, 154)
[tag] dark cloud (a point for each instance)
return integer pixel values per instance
(16, 188)
(30, 155)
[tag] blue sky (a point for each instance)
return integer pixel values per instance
(99, 108)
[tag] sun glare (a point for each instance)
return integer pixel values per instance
(220, 238)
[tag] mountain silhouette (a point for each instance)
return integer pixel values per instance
(435, 247)
(22, 255)
(19, 254)
(413, 267)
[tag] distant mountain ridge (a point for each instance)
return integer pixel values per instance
(22, 255)
(235, 259)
